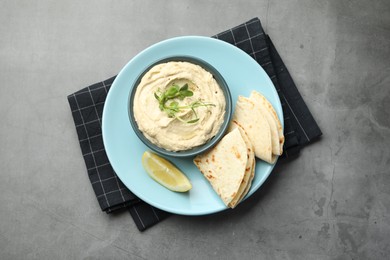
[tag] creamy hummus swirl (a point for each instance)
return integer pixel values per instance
(170, 133)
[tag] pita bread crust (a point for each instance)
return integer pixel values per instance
(251, 177)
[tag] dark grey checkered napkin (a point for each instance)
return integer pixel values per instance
(87, 107)
(300, 128)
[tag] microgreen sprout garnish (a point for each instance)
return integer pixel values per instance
(174, 93)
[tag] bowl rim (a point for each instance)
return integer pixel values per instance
(198, 149)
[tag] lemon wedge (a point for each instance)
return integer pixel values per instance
(165, 173)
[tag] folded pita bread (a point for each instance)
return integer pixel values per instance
(255, 131)
(249, 115)
(251, 177)
(249, 169)
(224, 165)
(271, 114)
(271, 122)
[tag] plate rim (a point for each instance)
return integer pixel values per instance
(134, 60)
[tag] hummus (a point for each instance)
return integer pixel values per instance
(169, 132)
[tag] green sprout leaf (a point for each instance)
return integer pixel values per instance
(184, 87)
(193, 121)
(171, 109)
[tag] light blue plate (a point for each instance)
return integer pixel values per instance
(242, 74)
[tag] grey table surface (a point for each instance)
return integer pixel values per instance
(332, 202)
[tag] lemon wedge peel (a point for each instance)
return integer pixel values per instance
(165, 173)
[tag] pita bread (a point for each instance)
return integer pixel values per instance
(272, 124)
(252, 175)
(249, 168)
(251, 118)
(257, 97)
(224, 165)
(255, 131)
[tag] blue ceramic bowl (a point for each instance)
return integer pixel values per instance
(196, 150)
